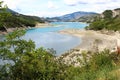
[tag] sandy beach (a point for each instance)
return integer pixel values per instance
(91, 41)
(90, 38)
(42, 25)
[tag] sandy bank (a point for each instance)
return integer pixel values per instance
(38, 25)
(42, 25)
(91, 41)
(91, 38)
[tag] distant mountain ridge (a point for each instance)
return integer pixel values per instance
(72, 16)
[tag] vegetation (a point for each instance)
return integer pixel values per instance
(108, 22)
(23, 62)
(108, 14)
(3, 14)
(11, 19)
(88, 18)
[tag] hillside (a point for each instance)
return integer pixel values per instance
(87, 18)
(76, 16)
(108, 20)
(12, 19)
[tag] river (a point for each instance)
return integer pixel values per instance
(49, 37)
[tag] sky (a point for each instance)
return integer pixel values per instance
(52, 8)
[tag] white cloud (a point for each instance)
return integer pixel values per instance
(101, 7)
(96, 1)
(58, 7)
(12, 4)
(94, 5)
(47, 13)
(16, 4)
(76, 2)
(51, 5)
(71, 2)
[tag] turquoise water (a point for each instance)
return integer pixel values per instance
(57, 26)
(49, 37)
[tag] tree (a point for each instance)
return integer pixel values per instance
(108, 14)
(26, 62)
(3, 16)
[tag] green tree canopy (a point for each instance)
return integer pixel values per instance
(27, 63)
(108, 14)
(3, 15)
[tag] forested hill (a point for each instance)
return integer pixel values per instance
(108, 20)
(12, 19)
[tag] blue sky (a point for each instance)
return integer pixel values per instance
(51, 8)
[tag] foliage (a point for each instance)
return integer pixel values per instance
(108, 22)
(88, 18)
(97, 25)
(3, 14)
(108, 14)
(11, 19)
(24, 62)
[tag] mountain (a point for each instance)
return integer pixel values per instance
(11, 11)
(34, 18)
(73, 16)
(17, 20)
(87, 18)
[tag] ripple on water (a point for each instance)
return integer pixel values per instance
(58, 42)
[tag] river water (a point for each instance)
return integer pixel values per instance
(49, 37)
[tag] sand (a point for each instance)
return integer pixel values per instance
(42, 25)
(91, 38)
(91, 41)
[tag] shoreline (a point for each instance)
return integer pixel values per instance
(92, 42)
(91, 39)
(43, 25)
(13, 29)
(38, 25)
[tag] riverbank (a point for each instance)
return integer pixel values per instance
(90, 38)
(38, 25)
(42, 25)
(12, 29)
(93, 41)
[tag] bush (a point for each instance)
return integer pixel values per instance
(28, 63)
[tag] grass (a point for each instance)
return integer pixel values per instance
(101, 66)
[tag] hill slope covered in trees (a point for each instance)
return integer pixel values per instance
(12, 19)
(109, 20)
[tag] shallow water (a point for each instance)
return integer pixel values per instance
(49, 38)
(58, 42)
